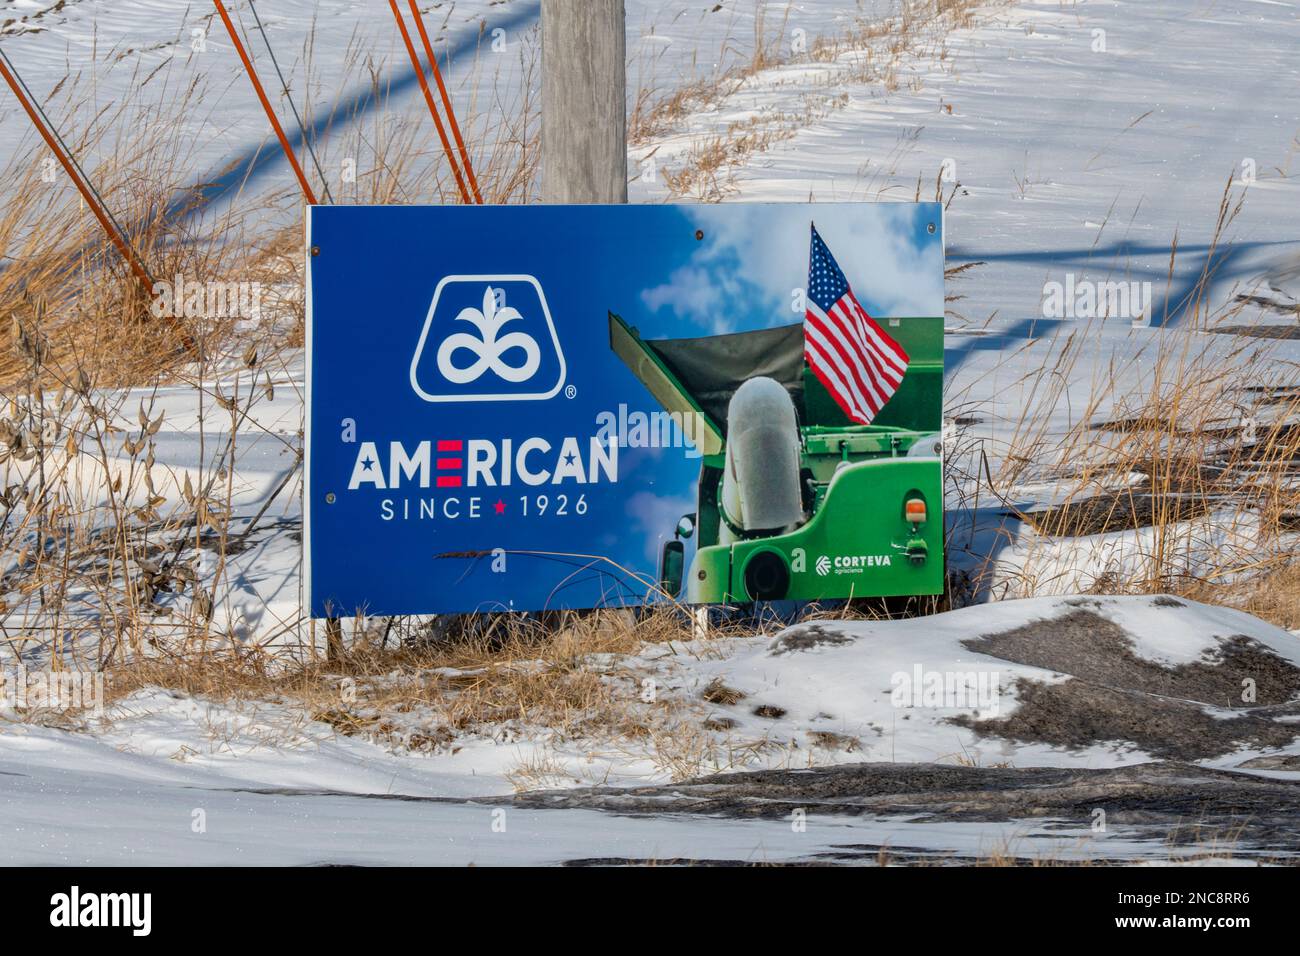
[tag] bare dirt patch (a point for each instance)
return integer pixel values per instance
(1076, 714)
(806, 637)
(1261, 331)
(1173, 804)
(1114, 695)
(1289, 762)
(1095, 650)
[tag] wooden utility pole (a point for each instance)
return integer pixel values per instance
(584, 101)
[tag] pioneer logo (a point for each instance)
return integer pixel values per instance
(75, 908)
(488, 339)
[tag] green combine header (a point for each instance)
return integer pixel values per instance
(795, 501)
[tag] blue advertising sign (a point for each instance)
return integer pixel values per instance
(536, 407)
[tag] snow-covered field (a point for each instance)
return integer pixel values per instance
(1076, 142)
(260, 782)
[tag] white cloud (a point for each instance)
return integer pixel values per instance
(765, 247)
(698, 294)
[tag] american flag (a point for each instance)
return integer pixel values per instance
(857, 361)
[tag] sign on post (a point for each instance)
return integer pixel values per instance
(539, 407)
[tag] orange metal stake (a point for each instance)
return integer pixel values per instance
(428, 96)
(446, 101)
(266, 104)
(137, 267)
(88, 195)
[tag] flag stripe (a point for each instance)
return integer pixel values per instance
(866, 382)
(879, 360)
(881, 373)
(890, 349)
(898, 366)
(836, 390)
(831, 379)
(882, 383)
(860, 397)
(834, 333)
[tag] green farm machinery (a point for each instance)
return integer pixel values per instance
(796, 501)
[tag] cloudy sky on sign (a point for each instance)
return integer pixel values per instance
(754, 256)
(743, 274)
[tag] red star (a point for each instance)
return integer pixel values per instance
(500, 506)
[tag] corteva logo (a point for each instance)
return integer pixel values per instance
(75, 908)
(850, 563)
(488, 339)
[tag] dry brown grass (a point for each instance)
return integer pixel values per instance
(596, 684)
(704, 175)
(94, 531)
(1191, 443)
(1273, 596)
(564, 679)
(654, 113)
(546, 671)
(65, 280)
(141, 155)
(75, 333)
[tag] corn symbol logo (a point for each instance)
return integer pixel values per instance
(823, 566)
(488, 339)
(487, 348)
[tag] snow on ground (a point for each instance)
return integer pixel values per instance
(261, 597)
(275, 786)
(1065, 157)
(1089, 185)
(107, 48)
(890, 690)
(112, 815)
(488, 43)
